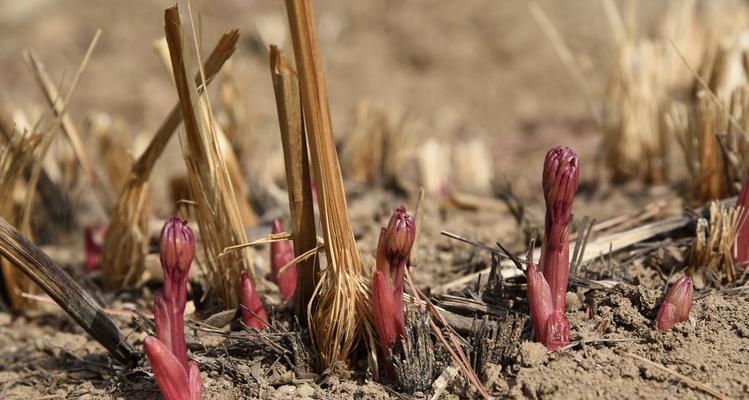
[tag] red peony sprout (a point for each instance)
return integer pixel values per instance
(547, 289)
(253, 311)
(281, 253)
(93, 238)
(676, 305)
(167, 353)
(393, 250)
(561, 175)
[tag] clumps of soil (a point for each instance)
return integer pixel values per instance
(627, 307)
(712, 348)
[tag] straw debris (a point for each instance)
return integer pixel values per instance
(298, 181)
(711, 247)
(126, 241)
(338, 314)
(209, 181)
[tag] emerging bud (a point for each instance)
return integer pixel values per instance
(539, 300)
(400, 234)
(281, 253)
(176, 246)
(383, 310)
(175, 382)
(196, 382)
(393, 250)
(167, 353)
(557, 333)
(676, 305)
(253, 311)
(560, 178)
(176, 250)
(169, 374)
(163, 321)
(382, 263)
(93, 237)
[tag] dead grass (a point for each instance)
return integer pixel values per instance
(209, 181)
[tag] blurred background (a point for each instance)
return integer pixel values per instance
(484, 72)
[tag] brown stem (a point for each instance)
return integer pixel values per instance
(296, 162)
(65, 291)
(102, 190)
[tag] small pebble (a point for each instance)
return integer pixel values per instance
(573, 302)
(286, 390)
(305, 390)
(532, 354)
(5, 319)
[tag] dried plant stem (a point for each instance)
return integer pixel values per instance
(49, 193)
(209, 182)
(241, 189)
(340, 301)
(102, 190)
(414, 259)
(60, 113)
(296, 163)
(602, 245)
(453, 346)
(16, 283)
(126, 241)
(17, 155)
(711, 247)
(65, 291)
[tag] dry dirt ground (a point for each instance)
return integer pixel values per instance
(464, 69)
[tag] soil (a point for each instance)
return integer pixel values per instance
(482, 71)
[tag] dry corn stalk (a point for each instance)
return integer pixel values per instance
(473, 169)
(101, 188)
(735, 144)
(229, 117)
(725, 66)
(338, 314)
(296, 163)
(434, 167)
(635, 146)
(209, 182)
(66, 292)
(714, 142)
(710, 120)
(241, 189)
(713, 241)
(232, 115)
(381, 141)
(114, 144)
(126, 241)
(646, 74)
(15, 156)
(15, 281)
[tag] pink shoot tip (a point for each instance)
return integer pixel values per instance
(677, 304)
(176, 246)
(93, 238)
(400, 234)
(253, 311)
(560, 178)
(175, 382)
(282, 253)
(393, 250)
